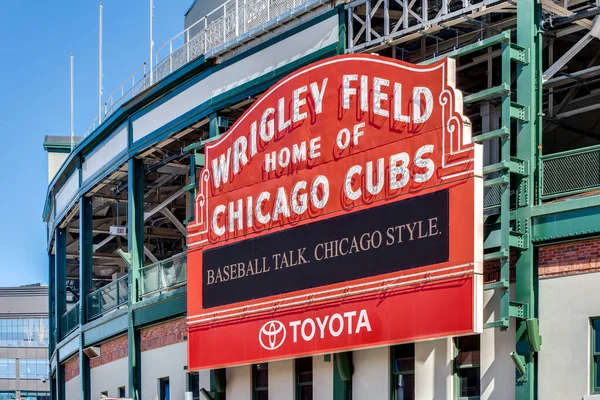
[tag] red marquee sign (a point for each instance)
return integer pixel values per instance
(341, 211)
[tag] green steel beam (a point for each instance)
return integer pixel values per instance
(501, 284)
(503, 37)
(165, 307)
(565, 206)
(136, 250)
(528, 115)
(498, 133)
(573, 223)
(85, 287)
(491, 93)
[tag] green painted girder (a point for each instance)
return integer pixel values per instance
(502, 323)
(566, 224)
(498, 133)
(496, 255)
(500, 38)
(501, 284)
(500, 181)
(488, 94)
(163, 308)
(493, 238)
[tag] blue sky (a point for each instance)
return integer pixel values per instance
(34, 100)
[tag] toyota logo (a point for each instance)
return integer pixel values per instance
(272, 335)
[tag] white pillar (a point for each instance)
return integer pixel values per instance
(282, 380)
(323, 378)
(239, 382)
(371, 378)
(433, 369)
(497, 368)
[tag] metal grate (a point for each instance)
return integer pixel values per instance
(164, 275)
(492, 196)
(571, 172)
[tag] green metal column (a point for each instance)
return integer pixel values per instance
(213, 125)
(527, 134)
(60, 283)
(135, 220)
(85, 287)
(51, 304)
(342, 376)
(60, 382)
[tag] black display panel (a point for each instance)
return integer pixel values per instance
(392, 237)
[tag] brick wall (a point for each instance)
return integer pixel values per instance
(164, 334)
(112, 350)
(72, 368)
(569, 258)
(491, 269)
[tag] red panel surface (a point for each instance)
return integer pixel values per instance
(419, 147)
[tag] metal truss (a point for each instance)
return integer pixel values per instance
(383, 23)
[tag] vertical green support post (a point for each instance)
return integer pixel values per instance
(60, 382)
(528, 131)
(505, 200)
(51, 304)
(85, 287)
(342, 376)
(213, 125)
(342, 35)
(135, 219)
(60, 303)
(60, 283)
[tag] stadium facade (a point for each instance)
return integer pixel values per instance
(311, 199)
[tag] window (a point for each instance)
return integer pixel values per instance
(466, 367)
(164, 389)
(8, 369)
(6, 395)
(403, 372)
(121, 392)
(304, 378)
(260, 381)
(35, 395)
(33, 369)
(595, 355)
(194, 385)
(24, 332)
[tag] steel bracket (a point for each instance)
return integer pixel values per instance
(502, 324)
(519, 240)
(518, 310)
(519, 111)
(519, 54)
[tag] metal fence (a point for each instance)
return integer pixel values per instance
(225, 25)
(70, 320)
(164, 275)
(108, 297)
(570, 172)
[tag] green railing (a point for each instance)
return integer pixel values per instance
(164, 275)
(570, 172)
(70, 320)
(108, 298)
